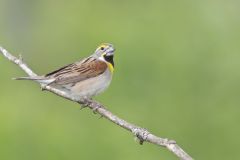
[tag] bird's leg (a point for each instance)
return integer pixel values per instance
(95, 106)
(88, 102)
(84, 102)
(82, 106)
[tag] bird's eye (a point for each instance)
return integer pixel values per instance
(102, 48)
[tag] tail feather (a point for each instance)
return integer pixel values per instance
(37, 79)
(28, 78)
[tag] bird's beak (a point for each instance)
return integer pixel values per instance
(110, 52)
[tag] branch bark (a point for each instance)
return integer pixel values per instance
(141, 133)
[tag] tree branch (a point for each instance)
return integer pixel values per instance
(141, 133)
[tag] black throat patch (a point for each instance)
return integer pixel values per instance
(109, 59)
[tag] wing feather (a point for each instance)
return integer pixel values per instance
(79, 71)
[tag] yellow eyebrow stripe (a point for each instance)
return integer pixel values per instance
(103, 45)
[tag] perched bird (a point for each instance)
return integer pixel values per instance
(85, 78)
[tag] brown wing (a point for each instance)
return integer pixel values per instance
(79, 71)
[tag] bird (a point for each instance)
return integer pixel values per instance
(85, 78)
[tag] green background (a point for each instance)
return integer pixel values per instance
(177, 74)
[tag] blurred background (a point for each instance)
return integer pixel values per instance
(177, 74)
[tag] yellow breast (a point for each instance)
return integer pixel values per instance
(110, 66)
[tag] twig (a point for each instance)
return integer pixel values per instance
(141, 133)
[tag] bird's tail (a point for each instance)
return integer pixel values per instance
(39, 79)
(29, 78)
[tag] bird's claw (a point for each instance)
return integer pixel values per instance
(85, 102)
(82, 106)
(95, 108)
(88, 102)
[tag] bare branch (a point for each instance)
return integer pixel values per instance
(141, 133)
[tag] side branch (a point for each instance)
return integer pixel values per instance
(141, 133)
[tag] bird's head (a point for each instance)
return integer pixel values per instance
(105, 52)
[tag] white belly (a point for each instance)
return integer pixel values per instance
(91, 87)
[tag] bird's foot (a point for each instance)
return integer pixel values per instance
(88, 102)
(95, 108)
(84, 102)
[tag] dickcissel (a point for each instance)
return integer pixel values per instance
(85, 78)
